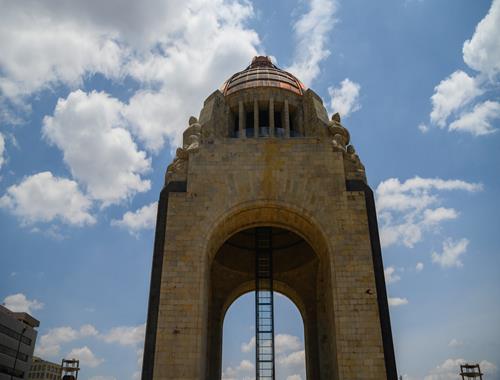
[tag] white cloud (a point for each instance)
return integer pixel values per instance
(455, 343)
(285, 343)
(482, 51)
(99, 152)
(44, 198)
(451, 94)
(141, 219)
(419, 267)
(290, 357)
(294, 359)
(178, 52)
(449, 369)
(345, 99)
(478, 121)
(396, 301)
(40, 48)
(423, 128)
(438, 215)
(407, 210)
(450, 256)
(282, 343)
(244, 371)
(390, 275)
(49, 344)
(19, 303)
(294, 377)
(126, 335)
(248, 346)
(2, 150)
(86, 357)
(311, 33)
(212, 44)
(102, 378)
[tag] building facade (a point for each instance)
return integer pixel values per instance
(17, 343)
(44, 370)
(264, 154)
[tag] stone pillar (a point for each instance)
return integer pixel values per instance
(241, 115)
(271, 117)
(255, 118)
(287, 119)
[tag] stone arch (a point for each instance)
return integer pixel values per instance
(269, 213)
(279, 287)
(309, 286)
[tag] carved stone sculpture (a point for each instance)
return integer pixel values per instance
(191, 143)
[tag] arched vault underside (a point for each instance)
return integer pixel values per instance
(297, 274)
(301, 273)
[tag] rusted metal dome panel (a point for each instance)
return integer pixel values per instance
(262, 73)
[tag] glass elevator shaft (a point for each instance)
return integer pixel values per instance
(264, 304)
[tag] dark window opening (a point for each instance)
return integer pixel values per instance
(249, 124)
(279, 130)
(263, 123)
(236, 127)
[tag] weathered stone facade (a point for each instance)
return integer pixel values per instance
(299, 174)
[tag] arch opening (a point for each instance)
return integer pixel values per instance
(299, 276)
(238, 347)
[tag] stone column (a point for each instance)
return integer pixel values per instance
(241, 115)
(287, 119)
(255, 118)
(271, 117)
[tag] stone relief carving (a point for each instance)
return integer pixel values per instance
(340, 143)
(340, 134)
(191, 143)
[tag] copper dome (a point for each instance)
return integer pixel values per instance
(262, 73)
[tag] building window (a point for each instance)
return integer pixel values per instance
(11, 352)
(14, 334)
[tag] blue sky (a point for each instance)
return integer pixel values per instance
(94, 97)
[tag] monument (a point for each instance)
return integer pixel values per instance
(267, 194)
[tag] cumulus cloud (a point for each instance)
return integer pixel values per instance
(141, 219)
(126, 335)
(243, 371)
(345, 99)
(45, 198)
(311, 32)
(99, 152)
(451, 94)
(290, 357)
(49, 344)
(448, 370)
(178, 52)
(41, 48)
(396, 301)
(419, 267)
(478, 121)
(482, 51)
(390, 275)
(86, 356)
(452, 251)
(286, 342)
(248, 346)
(19, 303)
(408, 209)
